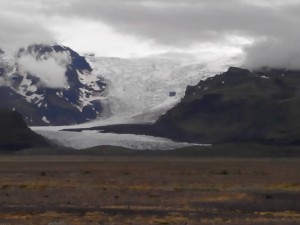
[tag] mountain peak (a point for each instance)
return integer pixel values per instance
(54, 84)
(42, 51)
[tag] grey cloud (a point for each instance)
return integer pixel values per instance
(274, 53)
(180, 22)
(280, 48)
(18, 25)
(184, 23)
(16, 34)
(176, 22)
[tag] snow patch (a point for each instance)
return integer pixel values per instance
(264, 77)
(45, 120)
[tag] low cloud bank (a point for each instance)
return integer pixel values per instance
(273, 53)
(50, 72)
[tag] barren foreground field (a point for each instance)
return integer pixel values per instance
(67, 190)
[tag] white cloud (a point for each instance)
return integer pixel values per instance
(50, 72)
(96, 37)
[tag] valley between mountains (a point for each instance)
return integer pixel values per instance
(54, 86)
(147, 103)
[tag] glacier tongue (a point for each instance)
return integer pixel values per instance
(88, 139)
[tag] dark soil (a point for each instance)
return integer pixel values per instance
(148, 190)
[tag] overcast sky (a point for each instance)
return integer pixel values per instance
(265, 31)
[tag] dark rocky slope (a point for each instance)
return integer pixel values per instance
(15, 135)
(240, 106)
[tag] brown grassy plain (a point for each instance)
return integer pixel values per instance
(63, 190)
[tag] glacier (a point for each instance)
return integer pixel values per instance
(138, 91)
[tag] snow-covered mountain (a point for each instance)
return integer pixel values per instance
(54, 85)
(50, 85)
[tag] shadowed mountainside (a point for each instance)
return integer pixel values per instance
(15, 134)
(240, 106)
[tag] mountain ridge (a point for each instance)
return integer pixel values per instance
(241, 106)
